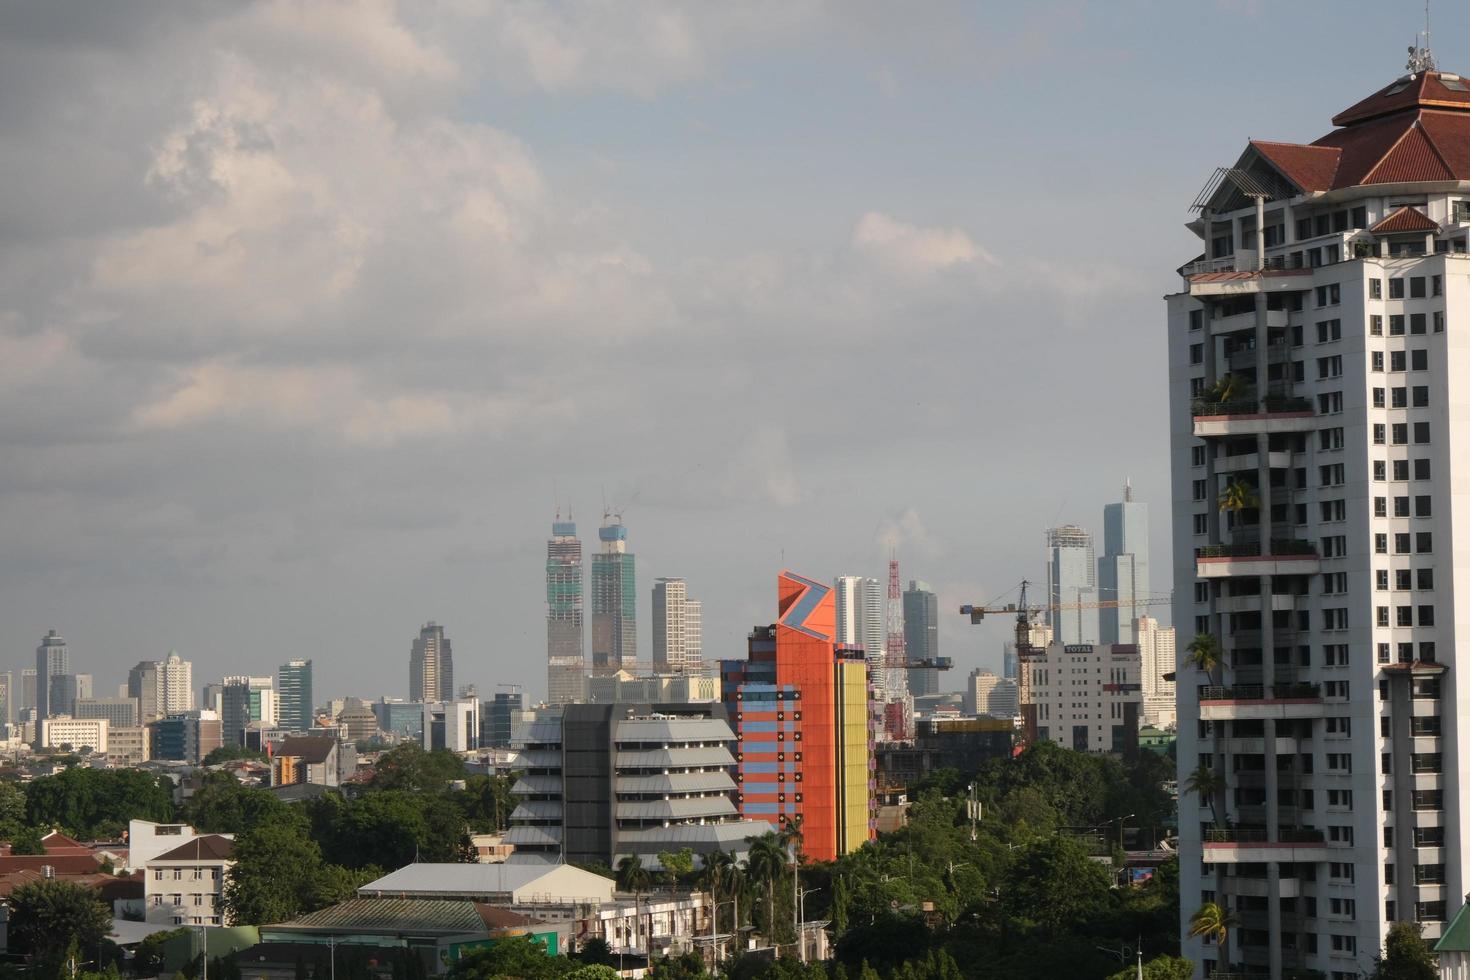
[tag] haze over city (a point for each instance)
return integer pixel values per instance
(313, 316)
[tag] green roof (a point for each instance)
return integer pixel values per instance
(415, 916)
(1456, 938)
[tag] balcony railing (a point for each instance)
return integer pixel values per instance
(1279, 546)
(1258, 835)
(1257, 692)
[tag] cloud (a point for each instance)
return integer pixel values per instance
(905, 533)
(911, 249)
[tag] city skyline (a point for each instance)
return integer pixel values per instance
(790, 194)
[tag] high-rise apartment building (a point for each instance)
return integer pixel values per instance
(677, 645)
(800, 704)
(1157, 665)
(52, 660)
(1085, 696)
(921, 636)
(861, 622)
(1122, 571)
(1318, 495)
(1071, 585)
(614, 601)
(7, 691)
(986, 693)
(565, 649)
(162, 687)
(294, 707)
(27, 701)
(246, 701)
(431, 666)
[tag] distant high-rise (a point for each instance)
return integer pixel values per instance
(1071, 579)
(1122, 571)
(566, 653)
(245, 701)
(27, 701)
(614, 601)
(7, 685)
(162, 687)
(921, 635)
(860, 621)
(294, 706)
(52, 659)
(431, 666)
(677, 645)
(501, 714)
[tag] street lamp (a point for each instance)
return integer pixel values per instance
(801, 927)
(1120, 827)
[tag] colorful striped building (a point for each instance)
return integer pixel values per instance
(799, 707)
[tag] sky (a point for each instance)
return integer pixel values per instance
(313, 313)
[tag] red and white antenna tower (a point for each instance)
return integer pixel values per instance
(897, 659)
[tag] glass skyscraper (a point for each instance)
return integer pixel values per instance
(921, 635)
(614, 601)
(565, 651)
(1071, 579)
(293, 699)
(1122, 572)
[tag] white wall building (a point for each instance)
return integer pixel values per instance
(1156, 654)
(1086, 697)
(452, 725)
(861, 620)
(183, 886)
(987, 693)
(677, 643)
(75, 732)
(1314, 352)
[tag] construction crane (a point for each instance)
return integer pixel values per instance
(1027, 651)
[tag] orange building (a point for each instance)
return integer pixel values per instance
(799, 706)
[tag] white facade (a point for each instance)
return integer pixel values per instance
(185, 886)
(625, 688)
(677, 644)
(452, 725)
(987, 693)
(162, 687)
(1071, 581)
(861, 621)
(1157, 659)
(1086, 697)
(1334, 720)
(75, 732)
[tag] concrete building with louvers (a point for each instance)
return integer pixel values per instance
(603, 781)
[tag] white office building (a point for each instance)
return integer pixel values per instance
(677, 644)
(1071, 584)
(76, 733)
(861, 621)
(987, 693)
(1319, 517)
(452, 725)
(1085, 697)
(1156, 665)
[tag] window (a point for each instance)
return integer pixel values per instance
(1402, 579)
(1380, 470)
(1396, 288)
(1196, 319)
(1380, 581)
(1419, 360)
(1332, 475)
(1416, 323)
(1197, 455)
(1330, 403)
(1335, 655)
(1438, 321)
(1425, 726)
(1334, 510)
(1329, 295)
(1382, 615)
(1396, 325)
(1396, 360)
(1401, 544)
(1380, 544)
(1339, 762)
(1401, 398)
(1334, 546)
(1196, 353)
(1400, 433)
(1424, 579)
(1200, 489)
(1335, 619)
(1421, 433)
(1422, 505)
(1380, 433)
(1328, 331)
(1330, 438)
(1405, 616)
(1400, 470)
(1378, 398)
(1401, 507)
(1329, 367)
(1430, 911)
(1375, 325)
(1421, 469)
(1424, 542)
(1376, 360)
(1429, 836)
(1436, 285)
(1201, 524)
(1416, 287)
(1426, 615)
(1202, 592)
(1375, 288)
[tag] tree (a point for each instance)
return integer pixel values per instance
(408, 767)
(27, 840)
(515, 956)
(595, 952)
(1238, 496)
(486, 802)
(222, 805)
(1205, 782)
(1159, 968)
(230, 753)
(677, 865)
(599, 971)
(274, 877)
(687, 966)
(91, 803)
(1205, 654)
(148, 954)
(1053, 884)
(767, 859)
(48, 916)
(1406, 956)
(390, 827)
(1213, 920)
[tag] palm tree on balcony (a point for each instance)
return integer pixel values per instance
(1214, 920)
(1207, 783)
(1238, 497)
(1205, 654)
(1228, 388)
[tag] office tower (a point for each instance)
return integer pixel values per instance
(614, 601)
(294, 707)
(431, 666)
(1122, 571)
(119, 712)
(921, 636)
(245, 701)
(565, 650)
(358, 721)
(1071, 580)
(1086, 697)
(452, 725)
(798, 686)
(404, 719)
(7, 692)
(27, 691)
(861, 623)
(1317, 497)
(162, 687)
(186, 736)
(52, 659)
(599, 781)
(501, 714)
(989, 694)
(676, 628)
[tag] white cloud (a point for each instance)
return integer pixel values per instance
(905, 533)
(912, 249)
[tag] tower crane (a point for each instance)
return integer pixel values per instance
(1027, 651)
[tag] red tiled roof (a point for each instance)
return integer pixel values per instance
(1426, 89)
(1309, 167)
(1405, 219)
(1413, 157)
(62, 864)
(207, 847)
(313, 749)
(502, 918)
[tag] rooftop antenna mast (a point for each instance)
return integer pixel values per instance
(1420, 57)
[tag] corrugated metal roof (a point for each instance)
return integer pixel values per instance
(677, 782)
(673, 730)
(533, 836)
(710, 834)
(446, 917)
(528, 785)
(537, 810)
(462, 879)
(681, 809)
(671, 758)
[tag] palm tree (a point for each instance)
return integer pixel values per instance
(1227, 387)
(634, 877)
(1206, 782)
(1205, 653)
(767, 860)
(1214, 921)
(1238, 496)
(719, 870)
(790, 835)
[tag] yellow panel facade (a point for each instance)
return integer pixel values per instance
(852, 754)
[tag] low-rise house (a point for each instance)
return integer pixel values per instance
(185, 886)
(320, 760)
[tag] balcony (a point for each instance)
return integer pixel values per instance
(1261, 888)
(1285, 557)
(1230, 283)
(1280, 602)
(1240, 845)
(1253, 702)
(1245, 416)
(1240, 322)
(1250, 462)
